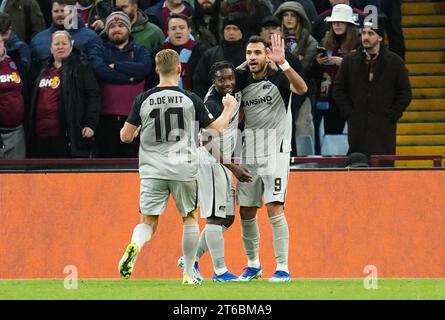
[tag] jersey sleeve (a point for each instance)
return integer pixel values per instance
(282, 82)
(134, 117)
(202, 114)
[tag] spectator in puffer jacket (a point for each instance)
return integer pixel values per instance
(122, 76)
(85, 40)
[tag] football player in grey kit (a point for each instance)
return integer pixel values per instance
(267, 84)
(165, 116)
(215, 182)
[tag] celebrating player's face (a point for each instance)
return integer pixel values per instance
(256, 57)
(224, 81)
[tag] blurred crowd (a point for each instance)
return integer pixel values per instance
(70, 70)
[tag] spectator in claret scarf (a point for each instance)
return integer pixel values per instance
(190, 51)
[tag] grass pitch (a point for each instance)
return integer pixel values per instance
(162, 289)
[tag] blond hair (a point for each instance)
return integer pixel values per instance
(167, 61)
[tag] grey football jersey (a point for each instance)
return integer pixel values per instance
(268, 117)
(228, 140)
(168, 146)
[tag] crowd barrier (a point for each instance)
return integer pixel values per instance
(340, 222)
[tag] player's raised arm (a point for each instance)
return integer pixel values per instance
(276, 54)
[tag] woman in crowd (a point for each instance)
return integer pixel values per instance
(341, 39)
(296, 30)
(65, 103)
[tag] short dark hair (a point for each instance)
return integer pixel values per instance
(178, 16)
(258, 39)
(5, 22)
(218, 66)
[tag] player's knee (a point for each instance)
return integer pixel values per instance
(226, 222)
(152, 221)
(248, 213)
(274, 208)
(191, 218)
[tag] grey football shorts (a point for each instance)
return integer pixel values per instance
(216, 189)
(154, 194)
(270, 179)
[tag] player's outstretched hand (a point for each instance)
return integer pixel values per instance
(229, 101)
(276, 50)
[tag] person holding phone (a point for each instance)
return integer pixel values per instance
(341, 39)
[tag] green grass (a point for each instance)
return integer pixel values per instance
(158, 289)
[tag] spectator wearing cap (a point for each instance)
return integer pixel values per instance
(207, 22)
(85, 39)
(341, 39)
(143, 32)
(392, 9)
(270, 25)
(160, 12)
(182, 41)
(232, 49)
(321, 26)
(372, 90)
(254, 10)
(357, 160)
(122, 76)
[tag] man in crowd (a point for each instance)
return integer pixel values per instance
(232, 49)
(143, 31)
(372, 89)
(122, 76)
(85, 39)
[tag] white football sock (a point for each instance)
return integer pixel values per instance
(215, 241)
(280, 231)
(190, 238)
(251, 241)
(141, 234)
